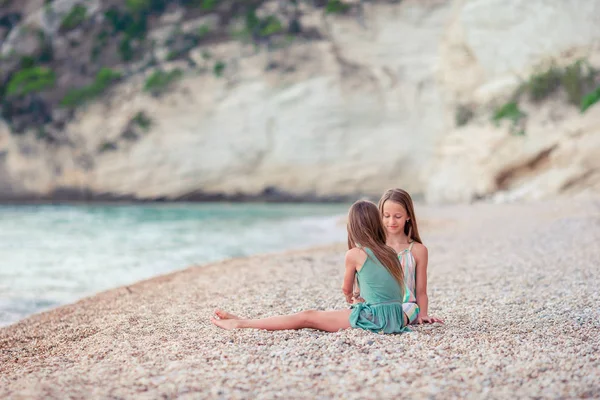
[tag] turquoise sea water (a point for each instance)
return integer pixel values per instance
(53, 255)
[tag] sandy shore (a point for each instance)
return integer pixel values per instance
(518, 286)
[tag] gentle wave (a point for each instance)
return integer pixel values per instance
(53, 255)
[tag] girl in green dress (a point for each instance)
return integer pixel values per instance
(380, 277)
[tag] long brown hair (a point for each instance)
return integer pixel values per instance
(365, 229)
(403, 198)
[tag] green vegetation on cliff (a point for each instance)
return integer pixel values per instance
(511, 112)
(74, 18)
(79, 96)
(575, 79)
(30, 80)
(160, 81)
(590, 99)
(579, 82)
(95, 47)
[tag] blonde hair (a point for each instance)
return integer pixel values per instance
(365, 229)
(403, 198)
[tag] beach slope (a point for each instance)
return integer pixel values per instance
(517, 284)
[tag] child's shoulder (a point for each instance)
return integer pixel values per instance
(419, 248)
(356, 255)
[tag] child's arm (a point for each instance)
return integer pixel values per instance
(422, 258)
(356, 292)
(353, 257)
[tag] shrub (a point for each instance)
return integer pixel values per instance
(107, 146)
(203, 31)
(133, 25)
(577, 79)
(336, 7)
(27, 62)
(508, 111)
(270, 26)
(511, 112)
(219, 68)
(74, 18)
(543, 84)
(260, 27)
(138, 5)
(590, 99)
(160, 81)
(132, 130)
(146, 6)
(104, 79)
(126, 49)
(30, 80)
(209, 5)
(142, 120)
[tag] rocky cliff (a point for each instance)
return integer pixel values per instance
(455, 100)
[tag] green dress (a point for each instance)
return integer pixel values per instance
(382, 310)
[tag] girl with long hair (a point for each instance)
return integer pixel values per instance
(402, 233)
(379, 274)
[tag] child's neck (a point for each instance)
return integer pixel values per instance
(397, 239)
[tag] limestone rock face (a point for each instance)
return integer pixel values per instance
(370, 106)
(552, 158)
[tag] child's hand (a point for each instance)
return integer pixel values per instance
(425, 319)
(358, 299)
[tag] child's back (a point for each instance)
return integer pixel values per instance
(382, 310)
(376, 283)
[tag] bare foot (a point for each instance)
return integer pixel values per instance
(225, 315)
(227, 324)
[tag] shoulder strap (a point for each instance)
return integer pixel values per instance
(411, 245)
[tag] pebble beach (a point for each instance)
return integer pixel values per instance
(518, 286)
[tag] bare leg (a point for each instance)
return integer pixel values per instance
(329, 321)
(225, 315)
